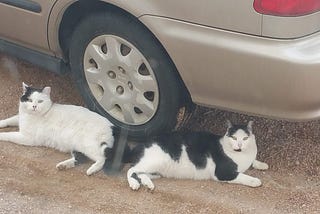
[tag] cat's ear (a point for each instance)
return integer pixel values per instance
(249, 126)
(24, 87)
(46, 90)
(228, 124)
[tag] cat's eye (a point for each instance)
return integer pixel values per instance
(233, 137)
(30, 100)
(40, 101)
(245, 138)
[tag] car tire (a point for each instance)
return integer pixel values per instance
(125, 74)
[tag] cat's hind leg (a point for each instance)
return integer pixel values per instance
(67, 164)
(97, 166)
(94, 153)
(11, 121)
(246, 180)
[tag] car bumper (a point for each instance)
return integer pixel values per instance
(262, 76)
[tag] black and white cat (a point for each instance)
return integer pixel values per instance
(67, 128)
(197, 155)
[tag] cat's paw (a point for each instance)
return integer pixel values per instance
(254, 182)
(263, 166)
(134, 184)
(3, 124)
(67, 164)
(91, 171)
(146, 181)
(61, 166)
(150, 185)
(260, 165)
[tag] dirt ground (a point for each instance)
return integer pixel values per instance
(29, 182)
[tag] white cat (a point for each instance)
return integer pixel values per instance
(197, 155)
(67, 128)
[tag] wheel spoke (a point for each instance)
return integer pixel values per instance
(145, 106)
(95, 53)
(107, 100)
(144, 83)
(134, 59)
(113, 46)
(93, 75)
(128, 113)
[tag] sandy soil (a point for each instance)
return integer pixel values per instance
(29, 182)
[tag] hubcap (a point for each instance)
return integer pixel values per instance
(121, 79)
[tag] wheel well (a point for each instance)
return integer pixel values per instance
(81, 9)
(74, 14)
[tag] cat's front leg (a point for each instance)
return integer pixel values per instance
(11, 121)
(246, 180)
(15, 137)
(259, 165)
(136, 178)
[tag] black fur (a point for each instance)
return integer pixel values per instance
(29, 91)
(232, 130)
(135, 176)
(199, 146)
(80, 157)
(136, 153)
(110, 153)
(171, 144)
(103, 144)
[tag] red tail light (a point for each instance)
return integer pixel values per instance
(286, 7)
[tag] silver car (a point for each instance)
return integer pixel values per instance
(138, 62)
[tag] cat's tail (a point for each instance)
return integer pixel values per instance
(120, 146)
(112, 153)
(116, 156)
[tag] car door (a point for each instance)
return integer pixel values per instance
(25, 22)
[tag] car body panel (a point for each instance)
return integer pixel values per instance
(25, 27)
(272, 26)
(204, 12)
(233, 15)
(245, 73)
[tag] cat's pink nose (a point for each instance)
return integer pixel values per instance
(239, 145)
(34, 107)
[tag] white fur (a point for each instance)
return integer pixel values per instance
(248, 153)
(155, 160)
(66, 128)
(246, 180)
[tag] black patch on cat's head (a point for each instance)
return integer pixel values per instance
(28, 92)
(232, 129)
